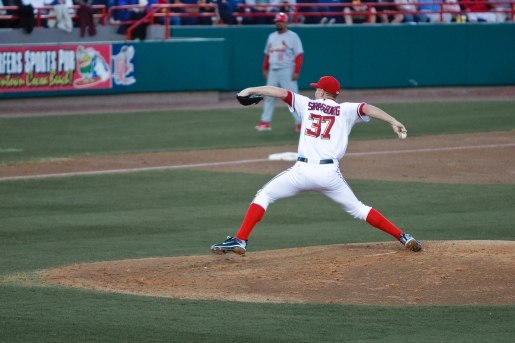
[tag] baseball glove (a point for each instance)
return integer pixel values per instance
(249, 99)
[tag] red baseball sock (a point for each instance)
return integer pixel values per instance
(252, 217)
(379, 221)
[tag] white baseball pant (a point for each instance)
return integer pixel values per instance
(326, 179)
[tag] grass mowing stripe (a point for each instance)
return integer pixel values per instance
(65, 315)
(56, 222)
(63, 136)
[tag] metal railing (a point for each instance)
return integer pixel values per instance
(304, 10)
(297, 12)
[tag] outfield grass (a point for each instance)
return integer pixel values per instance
(59, 221)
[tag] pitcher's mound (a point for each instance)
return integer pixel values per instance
(443, 273)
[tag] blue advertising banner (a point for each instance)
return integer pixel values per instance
(123, 64)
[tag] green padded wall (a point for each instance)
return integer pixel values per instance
(361, 56)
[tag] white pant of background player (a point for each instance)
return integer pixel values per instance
(279, 78)
(313, 176)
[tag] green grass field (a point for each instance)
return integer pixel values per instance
(53, 222)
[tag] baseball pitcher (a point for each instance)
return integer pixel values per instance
(325, 128)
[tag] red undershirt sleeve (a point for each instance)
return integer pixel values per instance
(289, 99)
(266, 63)
(360, 110)
(298, 63)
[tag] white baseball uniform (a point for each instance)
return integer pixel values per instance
(281, 48)
(323, 141)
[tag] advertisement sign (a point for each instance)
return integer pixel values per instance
(123, 65)
(66, 67)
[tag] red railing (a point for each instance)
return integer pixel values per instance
(46, 12)
(166, 11)
(295, 11)
(145, 19)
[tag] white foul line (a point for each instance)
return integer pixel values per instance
(381, 254)
(129, 170)
(486, 146)
(214, 164)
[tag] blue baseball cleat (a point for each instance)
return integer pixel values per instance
(231, 244)
(410, 242)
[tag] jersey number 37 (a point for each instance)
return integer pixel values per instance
(320, 126)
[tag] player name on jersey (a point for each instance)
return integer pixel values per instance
(316, 106)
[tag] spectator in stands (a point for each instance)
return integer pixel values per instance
(26, 14)
(411, 14)
(307, 14)
(14, 23)
(7, 23)
(404, 6)
(478, 11)
(160, 14)
(326, 7)
(213, 18)
(431, 9)
(286, 7)
(173, 19)
(359, 12)
(3, 12)
(382, 9)
(129, 14)
(263, 12)
(122, 15)
(190, 19)
(108, 4)
(63, 11)
(86, 21)
(37, 8)
(226, 10)
(140, 31)
(501, 10)
(452, 11)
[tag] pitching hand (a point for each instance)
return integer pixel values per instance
(399, 129)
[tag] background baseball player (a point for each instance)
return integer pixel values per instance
(323, 141)
(281, 66)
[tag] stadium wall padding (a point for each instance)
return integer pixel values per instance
(361, 56)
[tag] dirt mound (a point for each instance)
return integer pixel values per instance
(444, 273)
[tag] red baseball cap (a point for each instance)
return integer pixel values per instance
(281, 17)
(329, 84)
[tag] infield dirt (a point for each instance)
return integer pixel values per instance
(444, 273)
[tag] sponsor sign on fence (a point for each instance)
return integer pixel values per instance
(66, 67)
